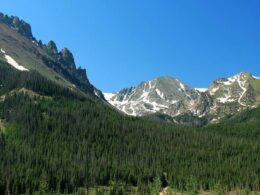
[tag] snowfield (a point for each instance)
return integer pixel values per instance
(201, 89)
(108, 96)
(13, 63)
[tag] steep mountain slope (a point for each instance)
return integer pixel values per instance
(234, 94)
(21, 50)
(170, 96)
(56, 141)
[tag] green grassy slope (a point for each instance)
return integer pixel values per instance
(36, 57)
(27, 53)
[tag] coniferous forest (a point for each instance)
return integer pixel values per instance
(53, 139)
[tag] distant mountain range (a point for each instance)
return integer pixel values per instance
(164, 95)
(170, 96)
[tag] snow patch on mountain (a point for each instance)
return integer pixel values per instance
(150, 84)
(201, 89)
(108, 96)
(170, 96)
(228, 82)
(242, 85)
(12, 62)
(225, 99)
(181, 85)
(159, 93)
(2, 51)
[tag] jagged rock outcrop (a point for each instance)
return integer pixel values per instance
(82, 73)
(17, 41)
(17, 24)
(67, 59)
(52, 48)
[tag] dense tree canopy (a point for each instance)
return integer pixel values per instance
(60, 141)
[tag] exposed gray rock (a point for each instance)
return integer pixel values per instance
(52, 48)
(66, 58)
(169, 96)
(15, 23)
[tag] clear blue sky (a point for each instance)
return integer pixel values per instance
(124, 42)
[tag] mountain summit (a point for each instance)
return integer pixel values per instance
(22, 51)
(172, 97)
(151, 96)
(18, 25)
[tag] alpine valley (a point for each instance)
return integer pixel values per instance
(59, 134)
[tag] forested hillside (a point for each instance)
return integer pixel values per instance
(56, 140)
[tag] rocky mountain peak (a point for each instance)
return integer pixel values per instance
(230, 81)
(52, 48)
(151, 96)
(17, 24)
(167, 95)
(66, 58)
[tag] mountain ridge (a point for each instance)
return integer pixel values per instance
(17, 24)
(19, 45)
(165, 94)
(168, 95)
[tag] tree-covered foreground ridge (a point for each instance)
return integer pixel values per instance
(59, 136)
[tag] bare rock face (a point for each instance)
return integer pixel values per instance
(66, 58)
(152, 96)
(52, 48)
(15, 23)
(166, 95)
